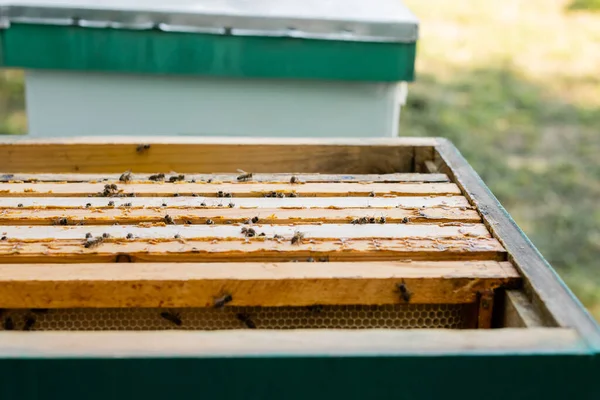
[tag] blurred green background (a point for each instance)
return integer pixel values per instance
(516, 86)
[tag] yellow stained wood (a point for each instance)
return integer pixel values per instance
(249, 284)
(266, 178)
(91, 216)
(45, 189)
(207, 155)
(414, 202)
(73, 251)
(310, 232)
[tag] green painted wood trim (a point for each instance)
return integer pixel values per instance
(435, 377)
(157, 52)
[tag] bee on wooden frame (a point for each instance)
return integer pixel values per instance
(297, 238)
(245, 318)
(404, 292)
(172, 317)
(245, 176)
(222, 300)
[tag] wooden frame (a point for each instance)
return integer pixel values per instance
(565, 347)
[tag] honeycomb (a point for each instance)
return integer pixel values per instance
(397, 316)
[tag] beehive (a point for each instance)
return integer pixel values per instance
(201, 248)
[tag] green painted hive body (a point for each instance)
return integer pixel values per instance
(277, 67)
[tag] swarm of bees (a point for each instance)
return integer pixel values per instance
(177, 178)
(368, 220)
(157, 177)
(245, 176)
(125, 176)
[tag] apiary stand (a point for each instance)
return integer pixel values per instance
(229, 68)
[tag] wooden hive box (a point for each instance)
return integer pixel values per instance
(308, 278)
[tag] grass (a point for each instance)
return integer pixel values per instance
(515, 86)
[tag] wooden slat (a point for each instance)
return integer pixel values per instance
(206, 155)
(307, 342)
(316, 232)
(486, 309)
(45, 189)
(250, 284)
(271, 178)
(556, 303)
(519, 312)
(73, 251)
(292, 203)
(91, 216)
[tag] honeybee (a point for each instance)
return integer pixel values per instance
(20, 205)
(111, 203)
(125, 176)
(254, 219)
(29, 322)
(176, 195)
(88, 235)
(405, 220)
(9, 325)
(157, 177)
(382, 219)
(176, 178)
(105, 235)
(248, 232)
(297, 238)
(88, 205)
(245, 318)
(293, 180)
(316, 308)
(404, 293)
(245, 176)
(169, 220)
(372, 194)
(129, 236)
(142, 148)
(93, 242)
(172, 317)
(127, 204)
(203, 204)
(209, 222)
(61, 221)
(231, 205)
(221, 301)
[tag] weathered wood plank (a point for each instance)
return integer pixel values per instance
(249, 284)
(91, 216)
(45, 189)
(486, 309)
(391, 342)
(267, 178)
(256, 249)
(311, 232)
(250, 202)
(206, 155)
(556, 303)
(519, 312)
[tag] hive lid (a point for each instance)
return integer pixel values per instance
(218, 37)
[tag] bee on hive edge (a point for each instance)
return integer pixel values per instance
(157, 177)
(221, 301)
(169, 220)
(297, 238)
(245, 176)
(404, 293)
(29, 322)
(173, 317)
(245, 318)
(176, 178)
(142, 147)
(125, 176)
(294, 179)
(93, 242)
